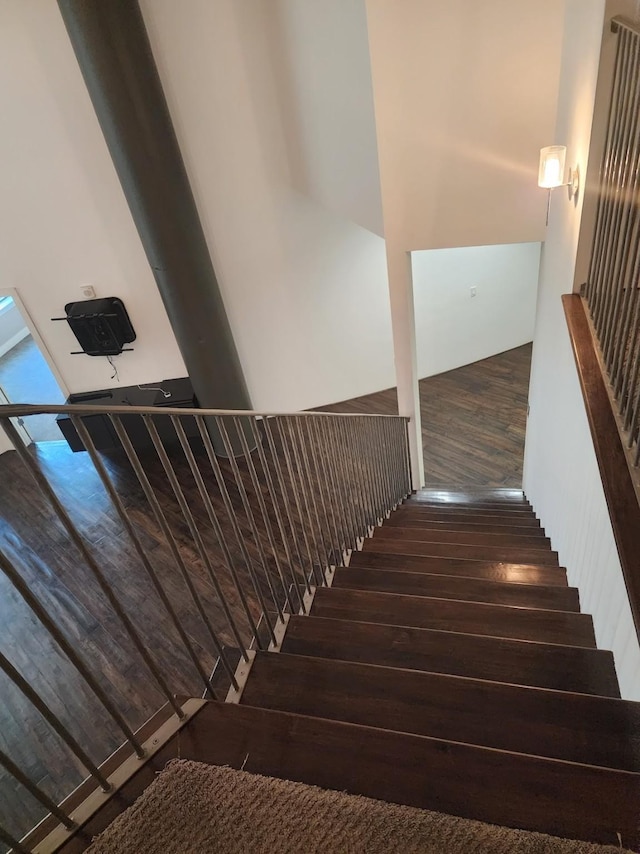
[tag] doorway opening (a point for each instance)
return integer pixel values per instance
(25, 375)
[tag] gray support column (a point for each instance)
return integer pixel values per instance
(112, 47)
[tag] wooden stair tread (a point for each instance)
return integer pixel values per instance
(453, 615)
(549, 795)
(563, 725)
(565, 668)
(495, 570)
(400, 520)
(471, 496)
(456, 587)
(508, 554)
(423, 511)
(502, 506)
(446, 535)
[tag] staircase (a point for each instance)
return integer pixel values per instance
(448, 667)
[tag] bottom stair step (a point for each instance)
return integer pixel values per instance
(574, 727)
(564, 668)
(235, 812)
(510, 789)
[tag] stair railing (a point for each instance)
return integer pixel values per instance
(611, 291)
(252, 510)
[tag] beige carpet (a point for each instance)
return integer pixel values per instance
(193, 808)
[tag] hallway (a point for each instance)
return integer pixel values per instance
(473, 420)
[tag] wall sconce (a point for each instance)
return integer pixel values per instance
(551, 172)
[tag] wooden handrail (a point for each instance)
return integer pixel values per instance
(617, 482)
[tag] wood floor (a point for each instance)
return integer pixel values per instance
(473, 420)
(473, 427)
(38, 546)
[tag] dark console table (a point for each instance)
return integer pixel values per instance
(100, 427)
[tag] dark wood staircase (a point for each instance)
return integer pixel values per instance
(448, 667)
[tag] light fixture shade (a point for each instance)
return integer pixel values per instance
(551, 171)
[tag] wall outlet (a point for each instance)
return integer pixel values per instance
(88, 291)
(473, 290)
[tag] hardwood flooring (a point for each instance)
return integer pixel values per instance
(37, 545)
(473, 420)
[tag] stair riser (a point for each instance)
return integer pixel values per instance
(470, 496)
(573, 727)
(544, 795)
(501, 506)
(469, 617)
(563, 668)
(493, 570)
(471, 538)
(447, 587)
(488, 516)
(507, 554)
(400, 520)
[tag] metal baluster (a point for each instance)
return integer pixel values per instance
(393, 452)
(215, 524)
(607, 200)
(621, 346)
(634, 397)
(306, 520)
(320, 463)
(249, 512)
(378, 475)
(257, 487)
(611, 236)
(16, 846)
(593, 293)
(54, 721)
(285, 498)
(630, 358)
(611, 159)
(361, 427)
(351, 482)
(226, 499)
(401, 438)
(201, 549)
(360, 459)
(111, 491)
(79, 542)
(355, 512)
(329, 454)
(312, 490)
(42, 615)
(275, 503)
(371, 444)
(314, 487)
(384, 465)
(34, 790)
(164, 526)
(406, 425)
(621, 219)
(398, 436)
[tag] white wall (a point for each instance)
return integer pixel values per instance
(305, 288)
(64, 221)
(452, 327)
(465, 97)
(561, 475)
(323, 76)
